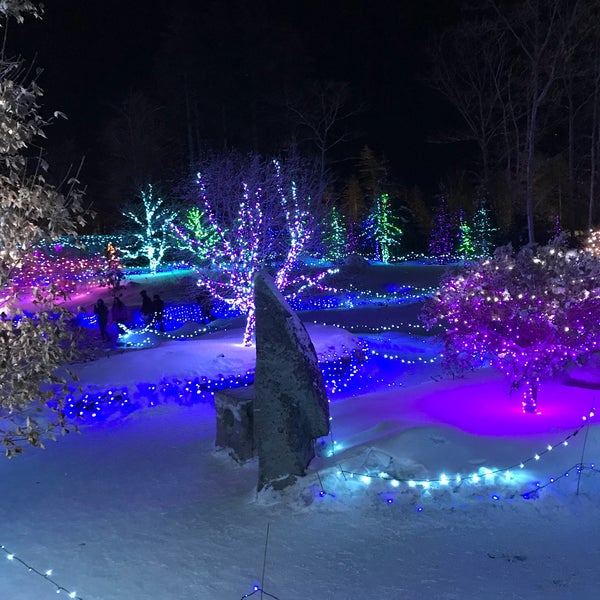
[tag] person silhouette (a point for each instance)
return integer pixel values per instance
(158, 308)
(101, 312)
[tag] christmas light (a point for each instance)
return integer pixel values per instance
(154, 221)
(46, 575)
(381, 229)
(528, 313)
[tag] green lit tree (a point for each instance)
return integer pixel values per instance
(335, 236)
(197, 235)
(153, 237)
(382, 228)
(465, 248)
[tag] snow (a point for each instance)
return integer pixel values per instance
(144, 507)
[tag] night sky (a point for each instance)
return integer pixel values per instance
(237, 55)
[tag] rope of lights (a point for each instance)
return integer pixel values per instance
(47, 575)
(533, 493)
(579, 467)
(487, 474)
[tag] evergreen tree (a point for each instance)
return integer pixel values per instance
(465, 248)
(355, 209)
(483, 232)
(114, 271)
(197, 235)
(31, 211)
(335, 236)
(382, 228)
(441, 243)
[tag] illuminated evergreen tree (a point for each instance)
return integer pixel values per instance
(32, 348)
(153, 237)
(530, 313)
(335, 236)
(465, 248)
(382, 228)
(197, 235)
(483, 232)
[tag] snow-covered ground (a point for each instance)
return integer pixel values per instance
(421, 496)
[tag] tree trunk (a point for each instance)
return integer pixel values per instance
(530, 396)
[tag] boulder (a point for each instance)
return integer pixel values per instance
(291, 409)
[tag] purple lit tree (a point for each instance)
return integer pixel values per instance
(441, 241)
(528, 313)
(264, 215)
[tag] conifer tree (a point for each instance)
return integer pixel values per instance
(197, 235)
(483, 232)
(465, 248)
(382, 228)
(441, 243)
(335, 236)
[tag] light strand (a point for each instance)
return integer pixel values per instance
(47, 575)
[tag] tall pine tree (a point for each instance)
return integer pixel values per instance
(441, 243)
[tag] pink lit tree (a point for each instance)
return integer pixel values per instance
(528, 313)
(263, 214)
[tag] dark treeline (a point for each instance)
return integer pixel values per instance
(496, 102)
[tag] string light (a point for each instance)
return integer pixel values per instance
(528, 313)
(484, 474)
(338, 369)
(47, 575)
(152, 239)
(255, 590)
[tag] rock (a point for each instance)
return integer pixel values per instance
(235, 430)
(291, 409)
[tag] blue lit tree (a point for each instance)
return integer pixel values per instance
(153, 236)
(482, 228)
(382, 228)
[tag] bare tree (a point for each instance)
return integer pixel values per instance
(322, 115)
(472, 82)
(540, 31)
